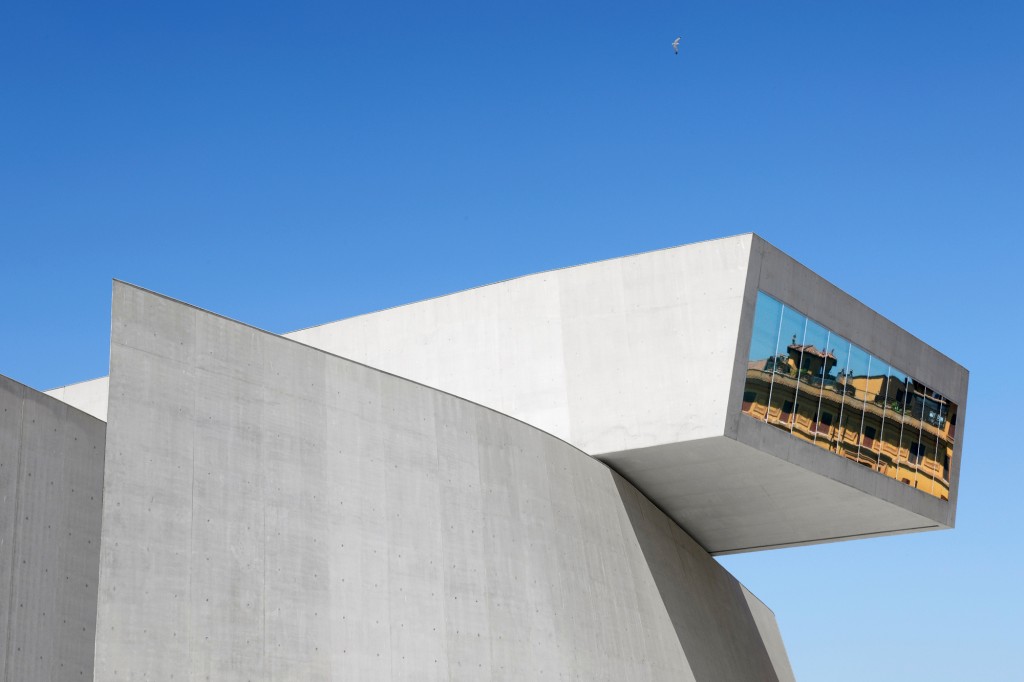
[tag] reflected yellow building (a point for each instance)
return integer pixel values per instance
(883, 420)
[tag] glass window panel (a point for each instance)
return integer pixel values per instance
(804, 379)
(832, 392)
(934, 412)
(917, 401)
(761, 359)
(895, 398)
(934, 429)
(812, 355)
(951, 422)
(784, 382)
(944, 471)
(854, 391)
(946, 437)
(765, 337)
(931, 461)
(912, 470)
(874, 412)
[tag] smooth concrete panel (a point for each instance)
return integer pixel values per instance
(11, 408)
(709, 601)
(769, 630)
(88, 396)
(629, 352)
(51, 477)
(482, 333)
(760, 501)
(273, 512)
(767, 439)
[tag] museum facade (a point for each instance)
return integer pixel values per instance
(526, 480)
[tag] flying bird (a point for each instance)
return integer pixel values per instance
(675, 44)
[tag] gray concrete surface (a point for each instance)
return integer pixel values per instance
(761, 501)
(769, 629)
(620, 354)
(273, 512)
(88, 396)
(643, 356)
(628, 358)
(51, 478)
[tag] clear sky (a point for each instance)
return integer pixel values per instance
(288, 164)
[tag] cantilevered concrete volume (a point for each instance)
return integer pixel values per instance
(521, 481)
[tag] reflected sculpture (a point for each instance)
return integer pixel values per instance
(809, 381)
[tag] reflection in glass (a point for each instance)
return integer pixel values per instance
(804, 379)
(894, 395)
(761, 360)
(811, 359)
(911, 467)
(833, 393)
(781, 408)
(946, 434)
(873, 385)
(929, 440)
(941, 487)
(853, 403)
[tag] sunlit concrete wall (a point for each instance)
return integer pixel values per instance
(88, 396)
(640, 361)
(620, 354)
(273, 512)
(51, 479)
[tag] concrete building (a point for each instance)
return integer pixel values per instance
(527, 480)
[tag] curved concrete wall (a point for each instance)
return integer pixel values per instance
(273, 512)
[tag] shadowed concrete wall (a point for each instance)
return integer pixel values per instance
(769, 630)
(273, 512)
(51, 479)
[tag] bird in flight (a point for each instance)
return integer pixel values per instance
(675, 44)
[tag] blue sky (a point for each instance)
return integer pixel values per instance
(290, 164)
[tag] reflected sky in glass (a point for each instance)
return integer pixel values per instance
(821, 388)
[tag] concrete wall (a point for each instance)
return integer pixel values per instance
(88, 396)
(273, 512)
(732, 497)
(601, 354)
(640, 361)
(626, 353)
(51, 478)
(769, 630)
